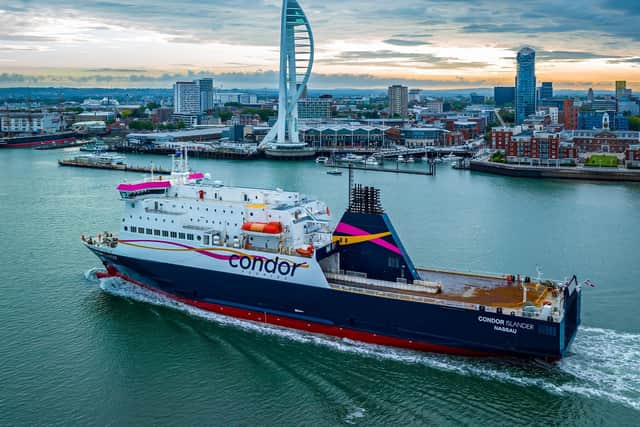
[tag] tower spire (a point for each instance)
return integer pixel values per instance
(296, 61)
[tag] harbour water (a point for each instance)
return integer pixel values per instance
(78, 351)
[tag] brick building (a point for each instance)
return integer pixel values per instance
(542, 148)
(632, 156)
(602, 141)
(570, 115)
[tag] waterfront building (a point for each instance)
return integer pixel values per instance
(357, 136)
(590, 96)
(621, 88)
(632, 156)
(501, 136)
(601, 140)
(415, 137)
(314, 108)
(546, 90)
(525, 84)
(504, 95)
(398, 100)
(540, 148)
(153, 139)
(186, 98)
(31, 122)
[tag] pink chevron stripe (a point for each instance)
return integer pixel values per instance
(144, 186)
(206, 253)
(355, 231)
(196, 175)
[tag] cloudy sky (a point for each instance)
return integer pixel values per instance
(359, 43)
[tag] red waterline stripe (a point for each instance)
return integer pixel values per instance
(336, 331)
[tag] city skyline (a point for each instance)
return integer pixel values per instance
(435, 44)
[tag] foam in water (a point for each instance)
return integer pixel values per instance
(603, 364)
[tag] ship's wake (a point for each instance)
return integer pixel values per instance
(603, 363)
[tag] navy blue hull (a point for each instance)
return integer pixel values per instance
(474, 332)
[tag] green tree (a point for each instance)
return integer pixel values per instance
(634, 123)
(225, 115)
(140, 125)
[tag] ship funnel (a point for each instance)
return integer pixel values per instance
(367, 241)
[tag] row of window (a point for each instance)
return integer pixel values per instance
(163, 233)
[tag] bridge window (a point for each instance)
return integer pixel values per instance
(156, 232)
(189, 236)
(181, 236)
(149, 231)
(134, 229)
(173, 234)
(141, 230)
(165, 233)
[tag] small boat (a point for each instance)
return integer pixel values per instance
(334, 172)
(351, 158)
(451, 158)
(322, 159)
(371, 161)
(401, 158)
(410, 159)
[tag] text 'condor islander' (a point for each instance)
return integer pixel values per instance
(271, 256)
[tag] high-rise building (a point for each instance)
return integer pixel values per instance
(504, 95)
(546, 90)
(621, 88)
(398, 100)
(570, 115)
(314, 108)
(525, 84)
(206, 94)
(186, 98)
(590, 95)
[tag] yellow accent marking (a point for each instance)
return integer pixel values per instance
(352, 240)
(255, 206)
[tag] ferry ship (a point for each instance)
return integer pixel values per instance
(272, 256)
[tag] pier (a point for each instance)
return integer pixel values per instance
(430, 172)
(116, 167)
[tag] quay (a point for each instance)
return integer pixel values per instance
(551, 172)
(118, 167)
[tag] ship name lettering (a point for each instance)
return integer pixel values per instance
(505, 329)
(284, 268)
(492, 320)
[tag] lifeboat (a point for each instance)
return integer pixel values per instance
(308, 251)
(263, 227)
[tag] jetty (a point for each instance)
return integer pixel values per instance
(113, 166)
(429, 172)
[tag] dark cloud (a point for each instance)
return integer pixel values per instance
(402, 42)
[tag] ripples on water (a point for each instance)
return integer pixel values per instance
(603, 363)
